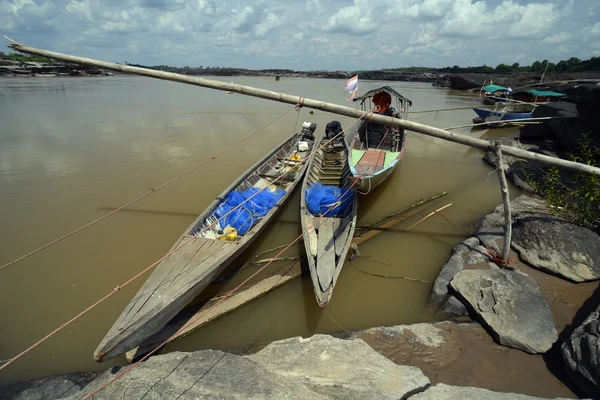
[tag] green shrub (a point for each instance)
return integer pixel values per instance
(576, 195)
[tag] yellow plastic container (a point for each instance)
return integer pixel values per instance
(229, 234)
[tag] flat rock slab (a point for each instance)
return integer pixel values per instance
(321, 367)
(560, 247)
(446, 392)
(581, 353)
(341, 369)
(510, 305)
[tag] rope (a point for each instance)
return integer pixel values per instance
(89, 396)
(119, 287)
(140, 197)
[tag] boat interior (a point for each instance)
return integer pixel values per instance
(276, 173)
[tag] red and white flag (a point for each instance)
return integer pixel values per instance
(352, 86)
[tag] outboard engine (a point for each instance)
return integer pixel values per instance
(308, 130)
(332, 129)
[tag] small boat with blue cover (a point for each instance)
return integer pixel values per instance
(220, 233)
(328, 209)
(377, 149)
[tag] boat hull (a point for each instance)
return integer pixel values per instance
(327, 239)
(375, 166)
(196, 258)
(368, 183)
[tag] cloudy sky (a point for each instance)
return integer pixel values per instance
(309, 34)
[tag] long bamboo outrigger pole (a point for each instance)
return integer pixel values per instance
(316, 104)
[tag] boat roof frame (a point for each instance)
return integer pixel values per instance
(387, 89)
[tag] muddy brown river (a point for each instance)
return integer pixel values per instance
(73, 149)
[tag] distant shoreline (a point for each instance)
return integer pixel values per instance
(460, 81)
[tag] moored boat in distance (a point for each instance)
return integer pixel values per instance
(503, 114)
(219, 234)
(493, 94)
(377, 149)
(328, 209)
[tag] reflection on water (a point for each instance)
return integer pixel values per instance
(73, 149)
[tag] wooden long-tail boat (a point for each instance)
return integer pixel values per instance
(376, 149)
(212, 242)
(328, 209)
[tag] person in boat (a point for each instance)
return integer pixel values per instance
(383, 106)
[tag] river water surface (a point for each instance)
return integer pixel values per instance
(73, 149)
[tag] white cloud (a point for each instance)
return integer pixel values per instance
(328, 34)
(561, 37)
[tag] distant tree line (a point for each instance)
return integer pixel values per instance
(169, 68)
(573, 64)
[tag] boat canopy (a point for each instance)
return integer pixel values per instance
(387, 89)
(545, 93)
(539, 93)
(494, 88)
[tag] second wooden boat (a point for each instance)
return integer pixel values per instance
(219, 234)
(328, 208)
(377, 149)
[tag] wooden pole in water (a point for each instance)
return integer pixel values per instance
(316, 104)
(506, 201)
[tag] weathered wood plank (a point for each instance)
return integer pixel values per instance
(193, 319)
(326, 251)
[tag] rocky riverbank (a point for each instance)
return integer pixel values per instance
(548, 301)
(422, 361)
(552, 80)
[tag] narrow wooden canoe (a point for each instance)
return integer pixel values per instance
(181, 276)
(328, 238)
(376, 149)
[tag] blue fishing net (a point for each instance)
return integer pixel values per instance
(320, 198)
(250, 212)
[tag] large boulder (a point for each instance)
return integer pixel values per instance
(581, 353)
(341, 369)
(558, 246)
(446, 392)
(490, 230)
(468, 252)
(321, 367)
(510, 305)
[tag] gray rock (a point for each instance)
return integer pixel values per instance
(581, 353)
(321, 367)
(490, 230)
(558, 246)
(441, 300)
(341, 369)
(446, 392)
(199, 375)
(49, 387)
(516, 169)
(491, 158)
(510, 305)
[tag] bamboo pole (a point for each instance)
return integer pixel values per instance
(316, 104)
(506, 201)
(505, 122)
